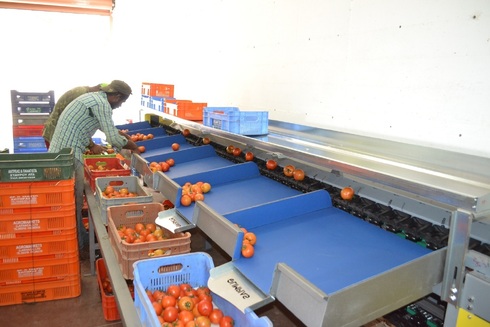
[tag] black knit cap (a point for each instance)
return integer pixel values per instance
(117, 86)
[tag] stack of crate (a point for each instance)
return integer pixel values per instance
(30, 110)
(39, 258)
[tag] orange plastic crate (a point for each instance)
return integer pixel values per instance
(109, 305)
(56, 245)
(131, 214)
(37, 194)
(22, 222)
(113, 167)
(157, 90)
(190, 110)
(68, 287)
(39, 270)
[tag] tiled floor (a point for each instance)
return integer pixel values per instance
(86, 310)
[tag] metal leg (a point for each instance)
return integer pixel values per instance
(91, 242)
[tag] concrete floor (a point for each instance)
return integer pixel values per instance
(86, 310)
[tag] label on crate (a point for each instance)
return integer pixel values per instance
(22, 225)
(17, 200)
(30, 272)
(29, 249)
(32, 295)
(22, 174)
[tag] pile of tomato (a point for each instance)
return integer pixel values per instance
(180, 305)
(194, 192)
(162, 165)
(123, 192)
(140, 137)
(140, 233)
(248, 243)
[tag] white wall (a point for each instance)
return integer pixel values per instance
(416, 71)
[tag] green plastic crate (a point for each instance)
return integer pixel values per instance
(36, 166)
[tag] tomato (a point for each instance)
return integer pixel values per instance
(205, 307)
(139, 227)
(230, 149)
(185, 316)
(150, 136)
(249, 156)
(150, 295)
(237, 151)
(151, 227)
(206, 140)
(158, 233)
(216, 315)
(158, 295)
(186, 200)
(177, 323)
(347, 193)
(141, 149)
(299, 174)
(157, 306)
(185, 303)
(175, 146)
(168, 301)
(205, 187)
(186, 132)
(289, 170)
(170, 314)
(203, 321)
(164, 166)
(250, 237)
(191, 323)
(170, 161)
(174, 290)
(203, 290)
(227, 321)
(247, 250)
(271, 164)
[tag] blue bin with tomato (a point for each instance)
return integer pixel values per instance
(193, 269)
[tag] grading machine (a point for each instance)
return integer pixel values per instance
(413, 245)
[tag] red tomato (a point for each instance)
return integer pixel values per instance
(175, 146)
(289, 170)
(186, 132)
(174, 290)
(170, 161)
(230, 149)
(185, 303)
(206, 140)
(205, 187)
(205, 307)
(203, 321)
(186, 200)
(271, 164)
(170, 314)
(203, 290)
(227, 321)
(164, 166)
(157, 306)
(237, 151)
(141, 149)
(168, 301)
(247, 250)
(250, 237)
(199, 197)
(347, 193)
(185, 316)
(216, 315)
(299, 174)
(249, 156)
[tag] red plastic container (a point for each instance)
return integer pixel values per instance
(157, 90)
(112, 167)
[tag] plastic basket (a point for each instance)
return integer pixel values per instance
(40, 269)
(69, 287)
(129, 216)
(31, 142)
(112, 167)
(192, 268)
(145, 101)
(28, 120)
(157, 90)
(41, 245)
(32, 109)
(189, 110)
(233, 120)
(31, 97)
(109, 305)
(46, 221)
(132, 183)
(159, 103)
(37, 194)
(24, 131)
(36, 167)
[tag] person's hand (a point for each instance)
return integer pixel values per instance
(124, 134)
(97, 149)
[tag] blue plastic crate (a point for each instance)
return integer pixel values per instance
(192, 268)
(158, 103)
(145, 101)
(29, 143)
(233, 120)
